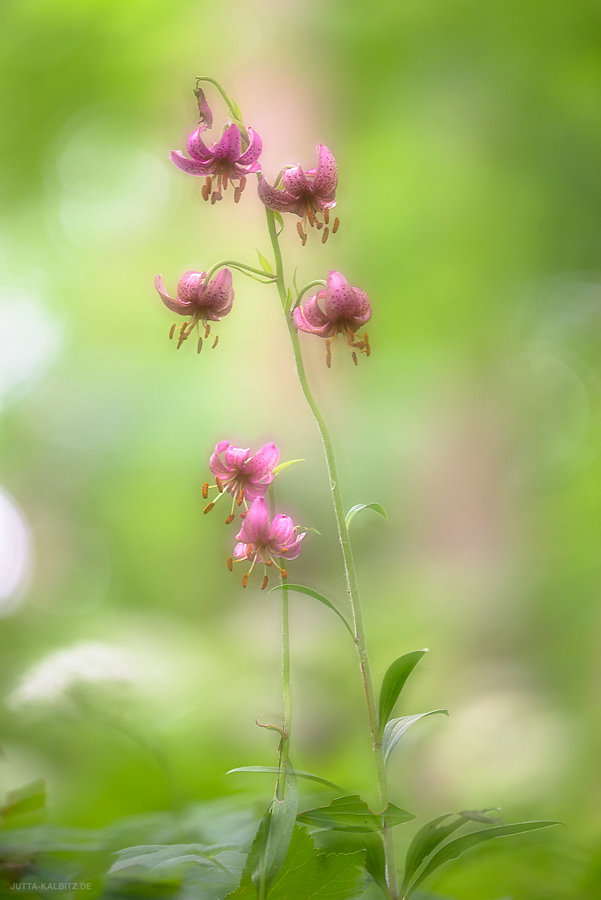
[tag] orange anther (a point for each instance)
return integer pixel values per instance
(325, 235)
(205, 490)
(230, 563)
(336, 225)
(264, 582)
(245, 580)
(199, 345)
(219, 484)
(208, 507)
(230, 518)
(172, 330)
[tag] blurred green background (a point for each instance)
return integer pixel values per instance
(133, 665)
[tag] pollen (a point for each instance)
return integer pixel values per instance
(205, 490)
(208, 507)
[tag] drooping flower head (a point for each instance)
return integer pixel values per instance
(240, 473)
(202, 300)
(205, 114)
(336, 309)
(306, 193)
(260, 540)
(223, 161)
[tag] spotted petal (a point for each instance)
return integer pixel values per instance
(196, 147)
(326, 176)
(253, 151)
(220, 293)
(281, 533)
(255, 528)
(263, 462)
(281, 201)
(235, 457)
(228, 146)
(340, 298)
(295, 181)
(191, 166)
(176, 306)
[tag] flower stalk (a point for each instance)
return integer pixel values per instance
(347, 554)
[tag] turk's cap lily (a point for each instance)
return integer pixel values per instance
(196, 297)
(337, 308)
(224, 160)
(263, 541)
(307, 193)
(242, 474)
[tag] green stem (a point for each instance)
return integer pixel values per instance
(284, 748)
(349, 564)
(229, 103)
(241, 267)
(319, 283)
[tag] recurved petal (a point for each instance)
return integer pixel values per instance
(216, 464)
(240, 551)
(190, 287)
(253, 151)
(362, 307)
(196, 147)
(313, 311)
(281, 201)
(295, 181)
(255, 528)
(176, 306)
(191, 166)
(326, 176)
(263, 461)
(228, 146)
(293, 550)
(340, 299)
(282, 532)
(303, 324)
(235, 457)
(220, 293)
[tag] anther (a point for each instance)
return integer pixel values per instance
(283, 573)
(264, 582)
(224, 180)
(230, 563)
(215, 342)
(207, 329)
(240, 496)
(199, 346)
(219, 484)
(205, 490)
(237, 194)
(209, 507)
(206, 190)
(354, 355)
(242, 183)
(336, 225)
(172, 330)
(311, 217)
(243, 515)
(319, 225)
(366, 342)
(245, 580)
(326, 216)
(230, 518)
(328, 354)
(325, 235)
(213, 198)
(301, 233)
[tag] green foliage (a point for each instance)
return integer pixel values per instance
(353, 814)
(298, 774)
(308, 874)
(396, 728)
(377, 507)
(273, 837)
(393, 683)
(301, 589)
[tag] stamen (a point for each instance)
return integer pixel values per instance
(354, 355)
(301, 233)
(230, 518)
(219, 484)
(209, 507)
(283, 573)
(328, 353)
(264, 582)
(172, 330)
(243, 515)
(366, 342)
(230, 563)
(199, 346)
(237, 194)
(245, 580)
(240, 496)
(325, 235)
(215, 342)
(207, 329)
(224, 180)
(326, 216)
(319, 225)
(336, 225)
(206, 190)
(242, 183)
(310, 217)
(205, 490)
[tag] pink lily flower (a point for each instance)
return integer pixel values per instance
(244, 475)
(223, 160)
(336, 309)
(306, 193)
(201, 300)
(260, 540)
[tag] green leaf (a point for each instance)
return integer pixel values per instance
(396, 728)
(284, 465)
(353, 814)
(264, 262)
(394, 682)
(274, 769)
(278, 218)
(301, 589)
(308, 874)
(426, 841)
(377, 507)
(281, 824)
(460, 845)
(27, 799)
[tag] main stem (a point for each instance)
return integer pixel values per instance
(347, 555)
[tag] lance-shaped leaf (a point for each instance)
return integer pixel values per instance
(377, 507)
(301, 589)
(396, 728)
(265, 264)
(353, 814)
(284, 465)
(276, 838)
(274, 769)
(460, 845)
(394, 682)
